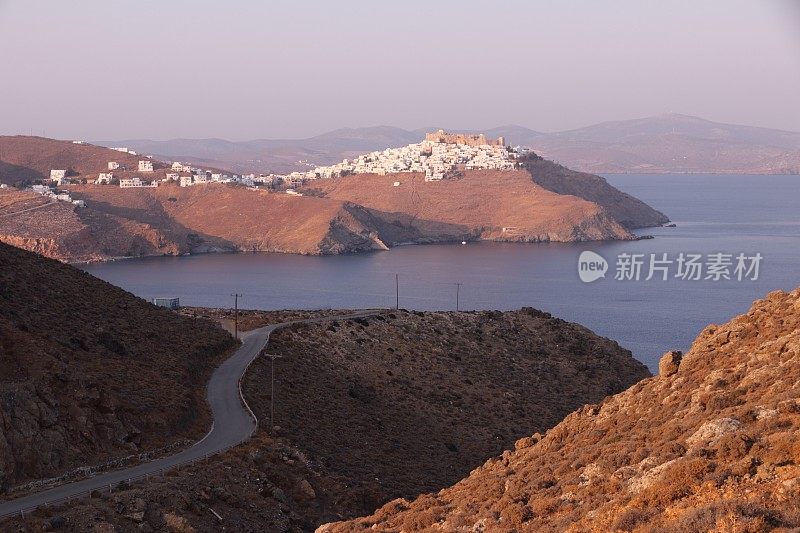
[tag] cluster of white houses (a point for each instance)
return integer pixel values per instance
(61, 196)
(439, 156)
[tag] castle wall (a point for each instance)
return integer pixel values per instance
(442, 136)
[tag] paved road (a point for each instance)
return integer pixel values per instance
(233, 423)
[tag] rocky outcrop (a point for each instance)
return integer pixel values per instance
(709, 445)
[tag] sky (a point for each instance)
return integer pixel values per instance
(247, 69)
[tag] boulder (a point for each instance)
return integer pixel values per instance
(669, 363)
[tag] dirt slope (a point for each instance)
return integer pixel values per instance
(176, 220)
(480, 204)
(26, 159)
(89, 372)
(631, 212)
(411, 402)
(711, 444)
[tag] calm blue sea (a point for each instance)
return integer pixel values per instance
(713, 213)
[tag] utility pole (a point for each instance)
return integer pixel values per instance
(458, 290)
(397, 291)
(236, 297)
(272, 358)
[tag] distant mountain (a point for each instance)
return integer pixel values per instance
(673, 143)
(664, 143)
(684, 125)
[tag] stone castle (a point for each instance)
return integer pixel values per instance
(442, 136)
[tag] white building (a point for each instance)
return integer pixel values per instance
(58, 175)
(127, 183)
(177, 166)
(174, 176)
(186, 181)
(145, 166)
(121, 149)
(79, 203)
(113, 165)
(104, 178)
(41, 189)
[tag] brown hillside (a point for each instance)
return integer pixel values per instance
(351, 214)
(631, 212)
(712, 444)
(176, 220)
(89, 372)
(370, 409)
(26, 159)
(482, 202)
(413, 401)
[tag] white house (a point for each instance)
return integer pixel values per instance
(174, 176)
(186, 181)
(104, 178)
(126, 183)
(58, 175)
(145, 166)
(113, 165)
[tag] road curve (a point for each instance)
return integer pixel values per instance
(233, 423)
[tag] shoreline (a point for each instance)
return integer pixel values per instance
(361, 252)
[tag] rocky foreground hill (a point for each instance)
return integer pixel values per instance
(90, 374)
(711, 444)
(542, 202)
(369, 410)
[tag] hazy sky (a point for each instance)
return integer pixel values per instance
(100, 69)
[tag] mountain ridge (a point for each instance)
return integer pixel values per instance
(615, 147)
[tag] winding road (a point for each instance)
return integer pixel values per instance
(233, 423)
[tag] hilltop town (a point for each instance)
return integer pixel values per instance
(80, 202)
(440, 155)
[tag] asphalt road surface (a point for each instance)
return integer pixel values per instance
(233, 423)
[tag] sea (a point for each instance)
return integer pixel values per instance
(739, 234)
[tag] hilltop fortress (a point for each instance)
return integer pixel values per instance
(442, 136)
